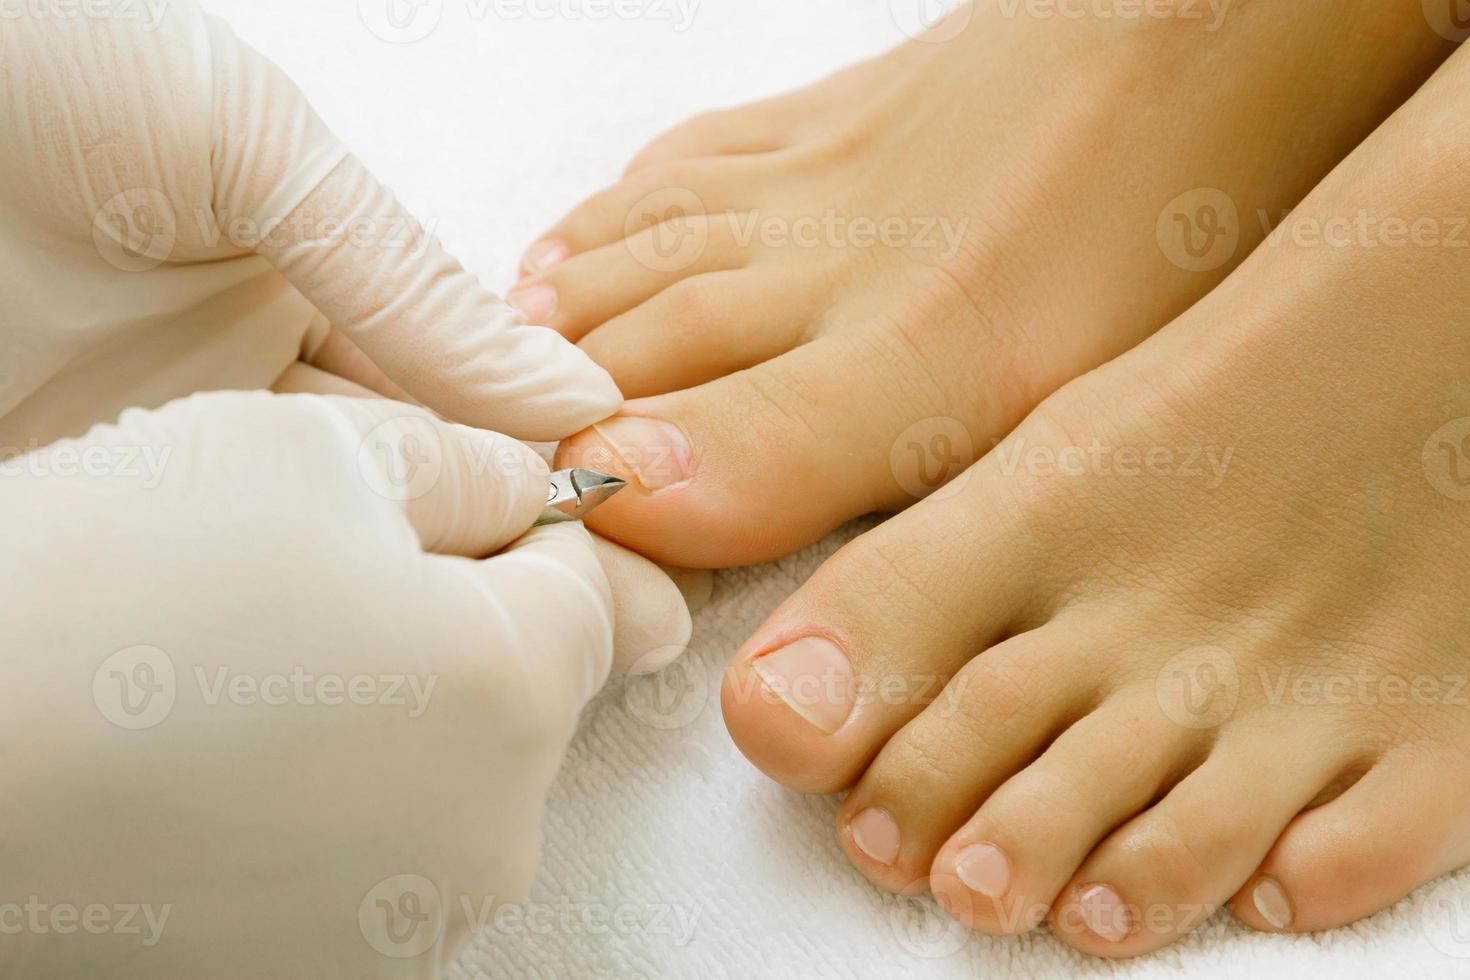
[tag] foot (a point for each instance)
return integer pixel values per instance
(1219, 587)
(858, 289)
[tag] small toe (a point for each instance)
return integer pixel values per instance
(1171, 867)
(1403, 824)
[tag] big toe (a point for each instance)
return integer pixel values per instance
(760, 463)
(872, 639)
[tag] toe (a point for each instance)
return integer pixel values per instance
(871, 640)
(1002, 870)
(1169, 868)
(669, 194)
(587, 290)
(703, 329)
(762, 127)
(1403, 824)
(775, 457)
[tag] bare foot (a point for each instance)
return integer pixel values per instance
(1221, 583)
(850, 293)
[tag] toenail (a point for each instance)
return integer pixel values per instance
(545, 254)
(983, 868)
(656, 452)
(538, 303)
(812, 675)
(1271, 901)
(1104, 912)
(876, 835)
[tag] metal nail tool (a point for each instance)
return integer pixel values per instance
(574, 494)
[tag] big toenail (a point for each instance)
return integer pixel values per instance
(1272, 903)
(655, 453)
(537, 302)
(545, 254)
(983, 868)
(812, 675)
(1104, 912)
(876, 835)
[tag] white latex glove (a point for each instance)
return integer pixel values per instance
(174, 217)
(260, 719)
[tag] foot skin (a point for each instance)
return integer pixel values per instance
(1218, 587)
(856, 290)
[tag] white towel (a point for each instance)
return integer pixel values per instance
(666, 854)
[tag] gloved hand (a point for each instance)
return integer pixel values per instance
(266, 713)
(174, 217)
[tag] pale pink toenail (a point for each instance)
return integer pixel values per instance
(537, 302)
(1271, 901)
(983, 868)
(876, 835)
(655, 452)
(1104, 912)
(813, 677)
(545, 254)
